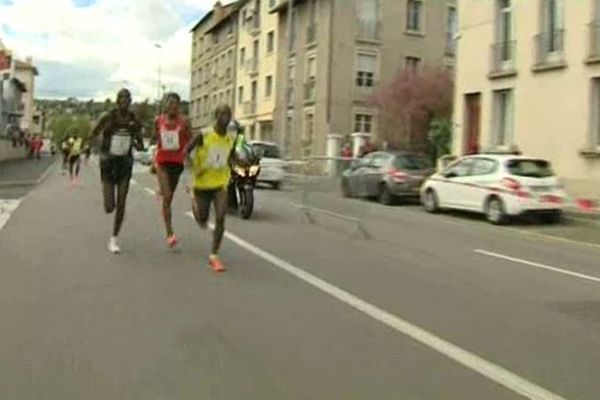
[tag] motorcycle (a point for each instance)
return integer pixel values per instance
(245, 171)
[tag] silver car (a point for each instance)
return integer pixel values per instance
(386, 176)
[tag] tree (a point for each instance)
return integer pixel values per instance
(145, 112)
(65, 125)
(408, 105)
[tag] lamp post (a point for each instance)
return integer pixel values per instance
(159, 83)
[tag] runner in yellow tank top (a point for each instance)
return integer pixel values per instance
(210, 154)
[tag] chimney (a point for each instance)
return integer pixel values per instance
(218, 10)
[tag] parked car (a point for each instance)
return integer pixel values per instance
(499, 186)
(272, 167)
(145, 157)
(386, 176)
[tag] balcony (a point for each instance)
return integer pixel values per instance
(311, 34)
(310, 90)
(503, 59)
(550, 53)
(364, 90)
(252, 66)
(594, 52)
(368, 30)
(253, 26)
(249, 107)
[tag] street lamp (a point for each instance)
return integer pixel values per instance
(159, 83)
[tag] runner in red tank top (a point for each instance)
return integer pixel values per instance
(172, 133)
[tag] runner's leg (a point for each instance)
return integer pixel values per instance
(122, 190)
(108, 193)
(220, 211)
(201, 208)
(164, 184)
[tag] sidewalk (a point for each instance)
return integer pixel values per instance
(24, 172)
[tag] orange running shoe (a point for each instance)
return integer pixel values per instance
(172, 241)
(215, 264)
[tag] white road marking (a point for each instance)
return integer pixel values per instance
(469, 360)
(7, 207)
(538, 265)
(150, 191)
(133, 182)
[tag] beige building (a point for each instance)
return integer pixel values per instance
(257, 67)
(213, 64)
(528, 78)
(26, 72)
(340, 52)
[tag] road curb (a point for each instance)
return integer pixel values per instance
(32, 182)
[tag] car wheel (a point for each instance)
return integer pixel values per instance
(385, 196)
(553, 218)
(346, 191)
(276, 185)
(495, 212)
(430, 201)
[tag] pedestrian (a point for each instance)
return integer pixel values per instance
(211, 171)
(172, 134)
(75, 160)
(87, 151)
(65, 149)
(367, 148)
(36, 144)
(120, 131)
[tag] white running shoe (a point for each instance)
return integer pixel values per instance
(113, 245)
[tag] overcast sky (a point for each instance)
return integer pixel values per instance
(90, 48)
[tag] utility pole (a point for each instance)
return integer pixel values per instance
(286, 81)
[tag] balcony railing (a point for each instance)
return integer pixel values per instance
(253, 26)
(310, 90)
(368, 29)
(311, 34)
(249, 107)
(594, 28)
(550, 48)
(252, 66)
(503, 57)
(364, 90)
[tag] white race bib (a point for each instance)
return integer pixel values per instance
(217, 157)
(169, 140)
(120, 145)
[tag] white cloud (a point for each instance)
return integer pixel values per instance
(115, 36)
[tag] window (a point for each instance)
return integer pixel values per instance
(254, 90)
(363, 123)
(452, 30)
(309, 127)
(502, 118)
(553, 24)
(270, 42)
(365, 73)
(313, 12)
(595, 139)
(483, 166)
(268, 86)
(240, 94)
(412, 63)
(311, 67)
(414, 15)
(412, 162)
(459, 169)
(242, 55)
(530, 168)
(368, 18)
(272, 3)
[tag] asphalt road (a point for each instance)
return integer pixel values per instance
(432, 307)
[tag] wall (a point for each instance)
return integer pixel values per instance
(8, 152)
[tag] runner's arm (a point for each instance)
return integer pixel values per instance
(138, 138)
(197, 141)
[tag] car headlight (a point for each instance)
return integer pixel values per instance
(254, 170)
(240, 171)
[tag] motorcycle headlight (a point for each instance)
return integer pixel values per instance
(240, 171)
(254, 170)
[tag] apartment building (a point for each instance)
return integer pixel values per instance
(257, 61)
(338, 52)
(528, 78)
(213, 64)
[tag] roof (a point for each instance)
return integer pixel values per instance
(283, 5)
(228, 13)
(208, 15)
(23, 65)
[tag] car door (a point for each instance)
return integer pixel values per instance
(357, 176)
(481, 178)
(454, 185)
(374, 175)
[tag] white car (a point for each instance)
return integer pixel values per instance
(272, 167)
(499, 186)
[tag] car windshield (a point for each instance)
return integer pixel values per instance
(267, 150)
(412, 162)
(530, 168)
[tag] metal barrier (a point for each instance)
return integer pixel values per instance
(318, 180)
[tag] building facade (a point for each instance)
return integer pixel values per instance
(257, 67)
(338, 52)
(213, 64)
(538, 87)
